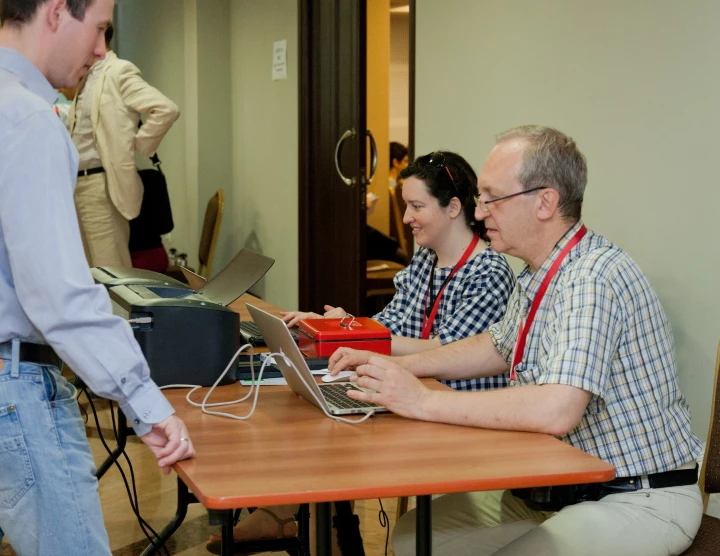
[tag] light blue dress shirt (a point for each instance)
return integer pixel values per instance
(47, 294)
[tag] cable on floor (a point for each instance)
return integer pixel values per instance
(147, 530)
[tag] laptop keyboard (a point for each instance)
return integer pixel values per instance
(250, 328)
(336, 394)
(252, 334)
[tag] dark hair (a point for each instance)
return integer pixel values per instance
(22, 11)
(552, 159)
(398, 151)
(439, 185)
(109, 32)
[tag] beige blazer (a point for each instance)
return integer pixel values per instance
(119, 97)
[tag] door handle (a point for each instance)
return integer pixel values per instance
(373, 157)
(347, 181)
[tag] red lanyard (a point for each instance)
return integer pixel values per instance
(525, 327)
(429, 318)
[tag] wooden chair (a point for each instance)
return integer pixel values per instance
(707, 540)
(398, 219)
(208, 238)
(379, 285)
(210, 232)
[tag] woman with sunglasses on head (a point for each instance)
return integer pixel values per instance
(454, 287)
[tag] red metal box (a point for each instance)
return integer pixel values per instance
(321, 337)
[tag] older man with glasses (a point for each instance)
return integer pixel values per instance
(590, 357)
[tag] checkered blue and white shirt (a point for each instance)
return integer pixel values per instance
(475, 298)
(601, 328)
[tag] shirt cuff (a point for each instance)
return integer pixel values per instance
(145, 408)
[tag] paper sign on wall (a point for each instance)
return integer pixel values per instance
(279, 66)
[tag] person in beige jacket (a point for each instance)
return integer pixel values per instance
(103, 123)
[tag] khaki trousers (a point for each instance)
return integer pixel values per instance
(105, 232)
(643, 523)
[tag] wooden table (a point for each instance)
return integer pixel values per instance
(290, 452)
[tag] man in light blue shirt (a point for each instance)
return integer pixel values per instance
(49, 306)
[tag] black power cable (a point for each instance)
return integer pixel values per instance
(141, 521)
(384, 523)
(147, 530)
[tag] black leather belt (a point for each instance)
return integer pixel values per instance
(677, 477)
(32, 353)
(91, 171)
(553, 499)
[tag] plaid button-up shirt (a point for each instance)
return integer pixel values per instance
(601, 328)
(475, 298)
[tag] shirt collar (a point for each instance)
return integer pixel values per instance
(30, 77)
(529, 282)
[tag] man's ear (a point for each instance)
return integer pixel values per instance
(547, 203)
(56, 9)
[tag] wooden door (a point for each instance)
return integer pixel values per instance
(332, 142)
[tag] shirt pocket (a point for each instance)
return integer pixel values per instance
(17, 475)
(531, 375)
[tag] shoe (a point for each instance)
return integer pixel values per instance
(215, 547)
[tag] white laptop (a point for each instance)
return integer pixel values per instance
(332, 397)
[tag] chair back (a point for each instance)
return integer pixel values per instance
(397, 217)
(210, 231)
(710, 473)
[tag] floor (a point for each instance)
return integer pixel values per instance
(157, 505)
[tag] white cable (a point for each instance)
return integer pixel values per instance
(203, 405)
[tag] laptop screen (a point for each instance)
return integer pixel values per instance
(237, 277)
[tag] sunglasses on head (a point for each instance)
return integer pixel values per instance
(437, 159)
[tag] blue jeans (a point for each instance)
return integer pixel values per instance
(49, 504)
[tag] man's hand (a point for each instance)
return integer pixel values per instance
(345, 358)
(395, 388)
(170, 442)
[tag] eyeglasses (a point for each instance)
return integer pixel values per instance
(484, 204)
(437, 159)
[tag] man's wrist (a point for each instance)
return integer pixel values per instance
(425, 409)
(403, 361)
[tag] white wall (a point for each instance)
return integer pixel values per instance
(635, 82)
(265, 141)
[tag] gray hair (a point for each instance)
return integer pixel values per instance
(551, 159)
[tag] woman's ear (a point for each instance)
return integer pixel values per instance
(454, 207)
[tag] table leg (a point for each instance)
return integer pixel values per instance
(304, 529)
(323, 528)
(183, 500)
(423, 526)
(228, 548)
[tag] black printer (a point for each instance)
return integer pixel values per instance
(188, 337)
